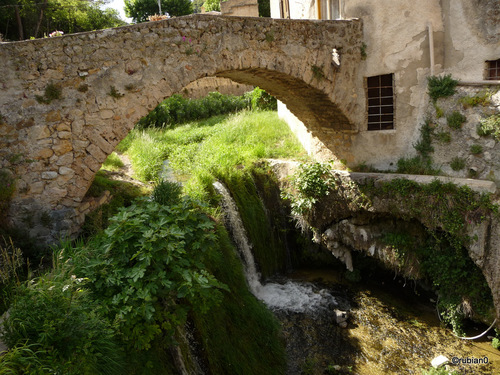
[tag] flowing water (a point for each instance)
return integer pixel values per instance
(389, 330)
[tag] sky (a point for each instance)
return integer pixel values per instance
(119, 5)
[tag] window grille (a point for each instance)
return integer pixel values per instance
(493, 70)
(380, 95)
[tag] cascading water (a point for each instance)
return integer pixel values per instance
(290, 296)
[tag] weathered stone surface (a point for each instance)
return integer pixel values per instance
(128, 71)
(49, 175)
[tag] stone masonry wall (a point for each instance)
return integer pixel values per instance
(67, 101)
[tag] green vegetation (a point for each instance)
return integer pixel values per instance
(422, 163)
(311, 183)
(206, 148)
(490, 126)
(440, 87)
(40, 18)
(455, 120)
(52, 92)
(495, 343)
(444, 209)
(363, 51)
(7, 187)
(113, 92)
(177, 110)
(438, 371)
(318, 72)
(483, 98)
(212, 5)
(457, 163)
(113, 162)
(123, 195)
(443, 136)
(476, 149)
(140, 10)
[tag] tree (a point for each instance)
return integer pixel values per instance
(23, 19)
(140, 10)
(212, 5)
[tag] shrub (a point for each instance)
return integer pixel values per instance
(439, 87)
(476, 149)
(455, 120)
(424, 144)
(146, 262)
(490, 126)
(261, 100)
(178, 110)
(457, 163)
(495, 343)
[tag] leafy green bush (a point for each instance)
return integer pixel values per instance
(261, 100)
(145, 262)
(457, 163)
(439, 87)
(311, 182)
(490, 126)
(495, 343)
(455, 120)
(177, 110)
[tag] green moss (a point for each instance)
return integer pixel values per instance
(318, 72)
(240, 336)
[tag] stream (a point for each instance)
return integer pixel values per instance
(389, 329)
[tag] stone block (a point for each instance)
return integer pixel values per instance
(63, 147)
(49, 175)
(45, 153)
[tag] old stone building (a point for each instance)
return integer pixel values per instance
(404, 43)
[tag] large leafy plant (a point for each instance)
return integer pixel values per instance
(149, 271)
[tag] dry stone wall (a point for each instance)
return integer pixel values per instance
(67, 101)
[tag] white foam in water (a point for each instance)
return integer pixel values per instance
(291, 296)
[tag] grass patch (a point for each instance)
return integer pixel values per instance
(207, 147)
(416, 165)
(443, 137)
(113, 162)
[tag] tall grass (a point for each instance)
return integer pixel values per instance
(206, 148)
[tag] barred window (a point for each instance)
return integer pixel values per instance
(380, 95)
(493, 70)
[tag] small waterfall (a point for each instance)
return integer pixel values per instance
(289, 296)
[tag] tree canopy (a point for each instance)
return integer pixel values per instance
(24, 19)
(140, 10)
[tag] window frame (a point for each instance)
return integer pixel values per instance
(490, 66)
(380, 102)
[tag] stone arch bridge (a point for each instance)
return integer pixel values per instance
(66, 102)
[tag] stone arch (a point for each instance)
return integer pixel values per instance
(68, 101)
